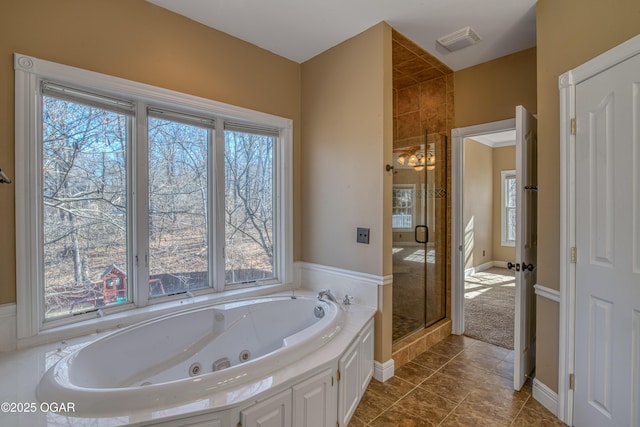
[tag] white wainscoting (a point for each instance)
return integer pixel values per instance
(8, 327)
(365, 289)
(361, 286)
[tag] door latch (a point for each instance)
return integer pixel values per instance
(511, 266)
(526, 266)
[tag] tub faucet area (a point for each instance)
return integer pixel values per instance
(327, 293)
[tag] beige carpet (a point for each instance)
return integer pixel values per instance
(489, 306)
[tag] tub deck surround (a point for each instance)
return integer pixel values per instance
(184, 356)
(21, 372)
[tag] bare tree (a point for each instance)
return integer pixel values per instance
(248, 205)
(84, 194)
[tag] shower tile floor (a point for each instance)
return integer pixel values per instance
(403, 326)
(457, 382)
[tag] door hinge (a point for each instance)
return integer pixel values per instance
(574, 255)
(572, 382)
(338, 374)
(573, 126)
(332, 381)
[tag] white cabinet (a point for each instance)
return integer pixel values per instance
(355, 369)
(272, 412)
(323, 398)
(349, 387)
(314, 401)
(366, 356)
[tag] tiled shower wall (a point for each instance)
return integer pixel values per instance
(423, 100)
(422, 93)
(423, 106)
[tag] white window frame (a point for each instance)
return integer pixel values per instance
(29, 71)
(504, 209)
(414, 221)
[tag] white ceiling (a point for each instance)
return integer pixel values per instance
(301, 29)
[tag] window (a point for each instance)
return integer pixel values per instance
(178, 201)
(403, 200)
(248, 163)
(134, 194)
(508, 216)
(84, 145)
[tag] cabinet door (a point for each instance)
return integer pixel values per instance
(314, 401)
(273, 412)
(366, 357)
(349, 383)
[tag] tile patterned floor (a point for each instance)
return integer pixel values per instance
(457, 382)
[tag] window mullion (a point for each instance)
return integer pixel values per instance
(217, 221)
(139, 199)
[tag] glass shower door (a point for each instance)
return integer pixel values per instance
(419, 236)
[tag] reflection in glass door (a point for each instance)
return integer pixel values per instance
(419, 235)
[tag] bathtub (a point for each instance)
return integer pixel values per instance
(189, 355)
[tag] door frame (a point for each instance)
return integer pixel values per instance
(567, 85)
(457, 226)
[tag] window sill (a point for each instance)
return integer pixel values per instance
(122, 319)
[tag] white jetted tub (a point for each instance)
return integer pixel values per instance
(185, 356)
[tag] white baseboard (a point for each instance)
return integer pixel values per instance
(500, 264)
(8, 330)
(547, 397)
(383, 371)
(485, 266)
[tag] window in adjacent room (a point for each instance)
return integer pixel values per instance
(403, 202)
(508, 215)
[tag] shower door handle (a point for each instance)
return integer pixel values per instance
(415, 234)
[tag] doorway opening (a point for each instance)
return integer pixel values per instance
(524, 334)
(489, 220)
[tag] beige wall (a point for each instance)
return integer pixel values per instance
(504, 158)
(478, 203)
(490, 92)
(482, 188)
(138, 41)
(347, 139)
(570, 32)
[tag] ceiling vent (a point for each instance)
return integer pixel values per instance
(459, 39)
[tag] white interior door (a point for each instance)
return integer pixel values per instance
(607, 322)
(526, 246)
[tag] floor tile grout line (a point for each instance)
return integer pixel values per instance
(520, 411)
(453, 410)
(395, 402)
